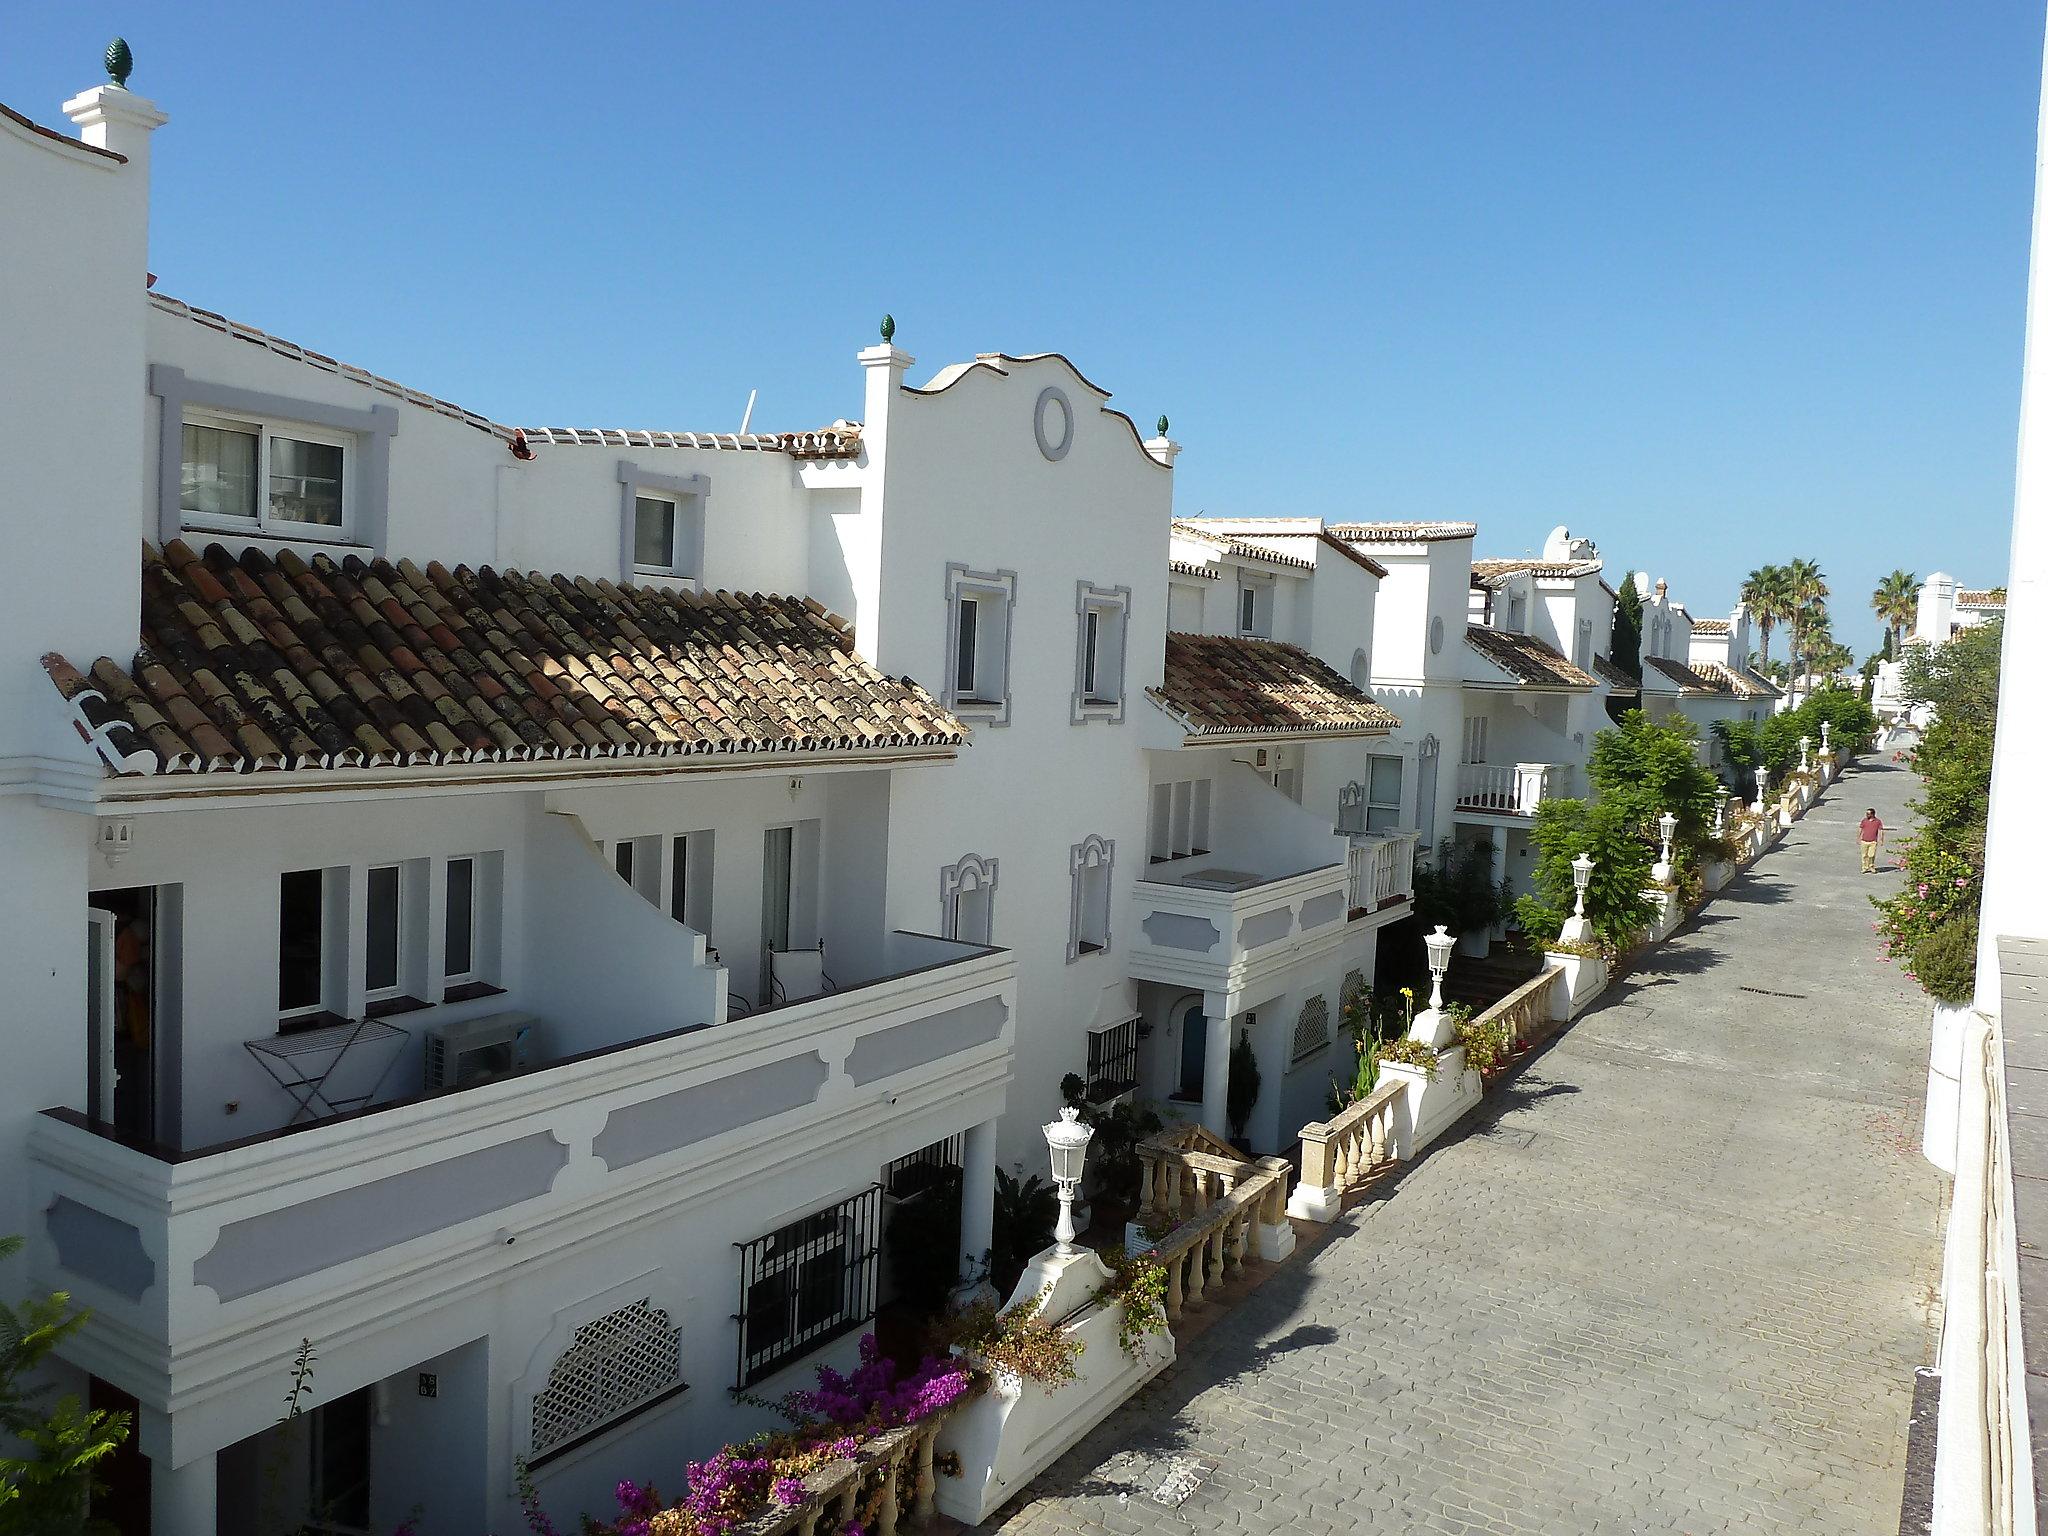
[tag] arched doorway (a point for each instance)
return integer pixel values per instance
(1194, 1050)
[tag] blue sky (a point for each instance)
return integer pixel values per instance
(1717, 284)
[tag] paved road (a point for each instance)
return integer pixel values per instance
(1675, 1278)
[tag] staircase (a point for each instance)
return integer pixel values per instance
(1482, 983)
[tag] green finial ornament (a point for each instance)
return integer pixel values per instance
(1162, 426)
(120, 62)
(888, 329)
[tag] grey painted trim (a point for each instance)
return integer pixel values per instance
(1054, 452)
(999, 582)
(1087, 595)
(690, 1115)
(953, 880)
(1265, 927)
(1177, 930)
(99, 1247)
(374, 426)
(1318, 911)
(904, 1046)
(259, 1252)
(1092, 851)
(689, 521)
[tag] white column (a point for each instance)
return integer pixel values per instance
(1216, 1066)
(977, 1195)
(183, 1500)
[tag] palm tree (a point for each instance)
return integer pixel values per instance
(1806, 588)
(1895, 602)
(1764, 595)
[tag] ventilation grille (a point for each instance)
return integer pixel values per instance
(616, 1363)
(1312, 1028)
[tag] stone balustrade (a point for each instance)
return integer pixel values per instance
(1350, 1146)
(1219, 1208)
(880, 1465)
(1527, 1011)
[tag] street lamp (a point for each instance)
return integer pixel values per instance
(1825, 744)
(1763, 779)
(1805, 750)
(1720, 810)
(1576, 929)
(1068, 1138)
(1439, 944)
(1667, 824)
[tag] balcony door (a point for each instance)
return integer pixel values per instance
(121, 1012)
(778, 880)
(1194, 1052)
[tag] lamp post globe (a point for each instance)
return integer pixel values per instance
(1439, 944)
(1805, 754)
(1763, 779)
(1576, 929)
(1667, 827)
(1068, 1139)
(1720, 810)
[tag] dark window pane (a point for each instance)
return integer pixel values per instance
(305, 482)
(679, 882)
(654, 532)
(963, 670)
(298, 940)
(460, 958)
(380, 969)
(622, 859)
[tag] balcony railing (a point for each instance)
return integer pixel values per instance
(1380, 870)
(1511, 789)
(175, 1253)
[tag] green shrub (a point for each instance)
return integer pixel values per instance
(1457, 889)
(1614, 901)
(1945, 962)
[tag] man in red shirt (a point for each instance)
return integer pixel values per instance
(1871, 831)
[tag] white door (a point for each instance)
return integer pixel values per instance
(778, 860)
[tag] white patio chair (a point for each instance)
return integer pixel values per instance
(795, 974)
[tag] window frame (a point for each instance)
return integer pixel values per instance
(396, 987)
(1090, 860)
(673, 507)
(993, 594)
(686, 496)
(1101, 615)
(265, 430)
(1372, 805)
(970, 873)
(472, 973)
(297, 1016)
(1257, 592)
(856, 1220)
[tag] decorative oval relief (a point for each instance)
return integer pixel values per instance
(1053, 422)
(1436, 635)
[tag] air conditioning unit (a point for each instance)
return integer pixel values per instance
(472, 1051)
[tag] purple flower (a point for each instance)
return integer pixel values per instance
(787, 1490)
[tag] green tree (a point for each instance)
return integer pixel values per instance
(1896, 602)
(1643, 768)
(1615, 904)
(1457, 889)
(1242, 1092)
(1806, 592)
(46, 1488)
(1625, 646)
(1764, 594)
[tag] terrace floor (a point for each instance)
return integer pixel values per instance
(1675, 1276)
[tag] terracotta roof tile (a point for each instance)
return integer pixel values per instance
(258, 663)
(1490, 572)
(1616, 680)
(1229, 685)
(1190, 568)
(1243, 549)
(1688, 680)
(1401, 533)
(1740, 681)
(1710, 626)
(1525, 658)
(1990, 597)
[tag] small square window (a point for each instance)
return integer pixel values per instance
(301, 473)
(654, 533)
(219, 472)
(305, 482)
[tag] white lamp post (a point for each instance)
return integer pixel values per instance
(1576, 929)
(1720, 810)
(1805, 754)
(1660, 872)
(1439, 944)
(1825, 744)
(1069, 1139)
(1763, 779)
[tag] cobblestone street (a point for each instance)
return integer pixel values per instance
(1675, 1277)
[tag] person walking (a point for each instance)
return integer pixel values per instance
(1870, 832)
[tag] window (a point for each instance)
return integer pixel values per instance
(1583, 651)
(617, 1365)
(1089, 865)
(663, 523)
(967, 893)
(257, 476)
(1099, 652)
(1311, 1029)
(458, 954)
(1112, 1061)
(301, 935)
(978, 607)
(1255, 608)
(654, 534)
(1475, 739)
(1382, 793)
(1180, 819)
(689, 880)
(807, 1282)
(384, 935)
(338, 1462)
(622, 859)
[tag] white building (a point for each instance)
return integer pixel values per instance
(462, 922)
(1946, 609)
(1699, 669)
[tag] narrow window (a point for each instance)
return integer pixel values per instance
(1162, 823)
(305, 482)
(1247, 610)
(1094, 909)
(654, 533)
(299, 934)
(622, 859)
(1091, 638)
(459, 956)
(381, 944)
(679, 881)
(219, 473)
(964, 658)
(1383, 793)
(971, 914)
